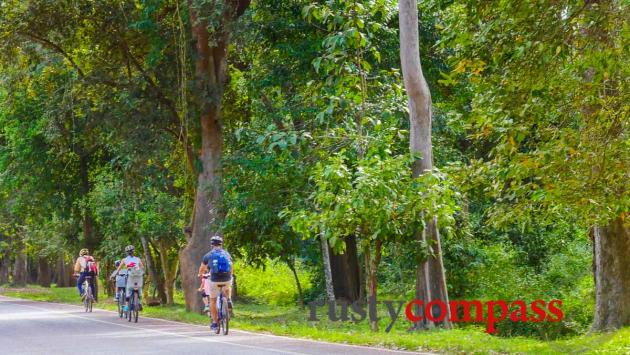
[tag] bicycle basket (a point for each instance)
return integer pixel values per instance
(135, 278)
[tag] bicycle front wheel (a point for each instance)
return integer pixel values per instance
(130, 306)
(136, 306)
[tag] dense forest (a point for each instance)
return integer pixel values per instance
(402, 149)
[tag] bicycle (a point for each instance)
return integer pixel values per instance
(223, 312)
(89, 298)
(134, 281)
(121, 302)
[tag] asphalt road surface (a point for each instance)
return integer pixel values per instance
(30, 327)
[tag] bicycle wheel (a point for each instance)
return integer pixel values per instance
(225, 317)
(86, 300)
(121, 303)
(130, 307)
(219, 310)
(91, 303)
(136, 303)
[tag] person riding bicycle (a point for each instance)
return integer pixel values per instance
(86, 266)
(121, 279)
(219, 263)
(129, 262)
(204, 295)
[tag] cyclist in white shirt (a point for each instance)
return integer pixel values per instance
(129, 262)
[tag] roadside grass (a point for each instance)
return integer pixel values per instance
(292, 321)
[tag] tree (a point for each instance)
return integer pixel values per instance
(430, 278)
(212, 25)
(549, 91)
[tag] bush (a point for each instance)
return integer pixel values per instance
(273, 284)
(565, 276)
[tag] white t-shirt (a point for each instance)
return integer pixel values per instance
(133, 260)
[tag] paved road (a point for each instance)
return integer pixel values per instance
(30, 327)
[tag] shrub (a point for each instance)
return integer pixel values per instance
(272, 284)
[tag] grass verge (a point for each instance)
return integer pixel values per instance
(291, 321)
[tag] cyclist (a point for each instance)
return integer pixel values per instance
(120, 278)
(219, 263)
(86, 266)
(130, 261)
(202, 289)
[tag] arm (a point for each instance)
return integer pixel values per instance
(117, 270)
(77, 266)
(203, 268)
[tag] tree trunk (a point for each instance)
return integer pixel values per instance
(291, 264)
(44, 274)
(20, 267)
(330, 293)
(372, 262)
(211, 78)
(88, 223)
(64, 274)
(5, 261)
(169, 268)
(430, 278)
(611, 270)
(32, 268)
(110, 285)
(158, 282)
(345, 272)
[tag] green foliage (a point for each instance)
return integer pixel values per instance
(99, 110)
(377, 199)
(272, 284)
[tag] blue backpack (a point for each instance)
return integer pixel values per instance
(221, 263)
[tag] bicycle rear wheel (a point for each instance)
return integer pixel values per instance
(225, 317)
(121, 303)
(88, 295)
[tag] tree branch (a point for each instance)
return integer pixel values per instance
(55, 47)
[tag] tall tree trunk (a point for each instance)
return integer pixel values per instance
(611, 270)
(371, 263)
(5, 260)
(330, 292)
(158, 282)
(611, 243)
(169, 268)
(345, 272)
(110, 285)
(44, 274)
(88, 223)
(20, 268)
(431, 279)
(63, 277)
(211, 78)
(291, 264)
(32, 268)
